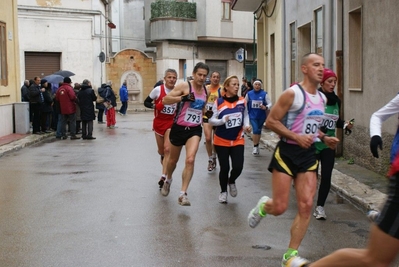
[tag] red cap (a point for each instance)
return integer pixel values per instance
(327, 74)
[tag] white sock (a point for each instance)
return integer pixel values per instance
(182, 193)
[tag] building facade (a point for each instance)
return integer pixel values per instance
(205, 30)
(68, 35)
(9, 65)
(358, 41)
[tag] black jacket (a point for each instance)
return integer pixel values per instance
(110, 95)
(34, 94)
(86, 98)
(24, 93)
(48, 101)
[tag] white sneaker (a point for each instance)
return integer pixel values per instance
(319, 213)
(255, 151)
(166, 188)
(223, 197)
(254, 216)
(373, 215)
(183, 200)
(233, 190)
(296, 262)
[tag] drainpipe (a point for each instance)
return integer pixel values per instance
(284, 56)
(253, 43)
(340, 67)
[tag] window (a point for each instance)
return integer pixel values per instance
(182, 69)
(355, 50)
(293, 53)
(226, 10)
(3, 54)
(319, 31)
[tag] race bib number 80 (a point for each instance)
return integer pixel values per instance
(312, 122)
(193, 116)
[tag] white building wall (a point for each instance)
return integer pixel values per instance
(240, 26)
(302, 12)
(128, 17)
(75, 4)
(78, 34)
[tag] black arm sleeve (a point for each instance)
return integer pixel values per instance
(148, 102)
(340, 122)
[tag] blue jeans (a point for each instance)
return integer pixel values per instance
(59, 132)
(123, 108)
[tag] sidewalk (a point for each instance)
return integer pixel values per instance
(364, 188)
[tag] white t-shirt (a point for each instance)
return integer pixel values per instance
(156, 92)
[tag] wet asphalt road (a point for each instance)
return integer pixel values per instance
(97, 203)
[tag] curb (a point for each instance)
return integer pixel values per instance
(24, 142)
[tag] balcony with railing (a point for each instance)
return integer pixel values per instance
(172, 20)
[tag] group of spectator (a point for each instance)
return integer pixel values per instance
(38, 93)
(54, 110)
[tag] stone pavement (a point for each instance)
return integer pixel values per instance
(365, 189)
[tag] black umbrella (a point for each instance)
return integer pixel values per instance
(54, 78)
(64, 73)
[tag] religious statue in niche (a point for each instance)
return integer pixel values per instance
(133, 86)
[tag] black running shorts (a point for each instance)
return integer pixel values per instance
(180, 134)
(292, 159)
(388, 220)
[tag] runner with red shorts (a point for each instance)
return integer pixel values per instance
(163, 117)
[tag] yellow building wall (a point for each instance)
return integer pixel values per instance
(136, 62)
(9, 15)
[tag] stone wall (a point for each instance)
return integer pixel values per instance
(357, 147)
(137, 69)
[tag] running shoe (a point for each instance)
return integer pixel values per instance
(255, 215)
(233, 190)
(161, 182)
(296, 262)
(373, 215)
(319, 213)
(210, 166)
(166, 188)
(183, 200)
(223, 198)
(214, 162)
(255, 151)
(286, 258)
